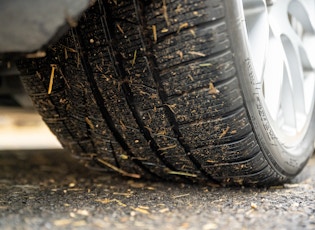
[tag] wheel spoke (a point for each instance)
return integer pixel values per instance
(287, 104)
(273, 67)
(295, 76)
(292, 44)
(258, 31)
(303, 23)
(303, 12)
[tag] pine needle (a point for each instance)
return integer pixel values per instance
(51, 80)
(154, 33)
(122, 172)
(181, 173)
(134, 58)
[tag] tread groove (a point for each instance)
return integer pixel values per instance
(88, 129)
(188, 62)
(226, 116)
(54, 103)
(194, 90)
(142, 127)
(156, 76)
(201, 25)
(114, 155)
(105, 114)
(119, 69)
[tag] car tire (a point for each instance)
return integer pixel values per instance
(180, 90)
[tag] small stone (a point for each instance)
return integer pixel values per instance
(210, 226)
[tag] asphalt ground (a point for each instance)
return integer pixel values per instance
(51, 190)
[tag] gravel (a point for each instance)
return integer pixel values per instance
(50, 190)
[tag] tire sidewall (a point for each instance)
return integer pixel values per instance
(287, 163)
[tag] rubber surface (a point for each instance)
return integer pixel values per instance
(150, 88)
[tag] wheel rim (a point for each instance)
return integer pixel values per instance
(280, 36)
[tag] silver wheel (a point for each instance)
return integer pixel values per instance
(281, 35)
